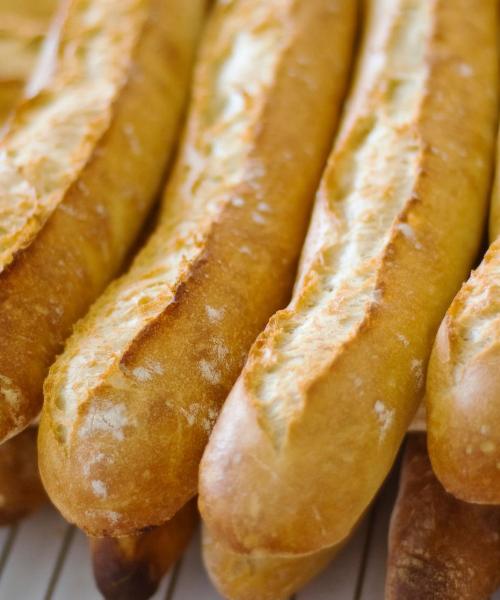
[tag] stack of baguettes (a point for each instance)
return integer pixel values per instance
(319, 399)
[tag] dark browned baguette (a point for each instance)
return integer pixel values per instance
(131, 567)
(440, 548)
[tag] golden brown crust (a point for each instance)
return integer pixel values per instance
(77, 216)
(245, 577)
(313, 424)
(463, 386)
(439, 547)
(143, 377)
(22, 29)
(131, 568)
(21, 491)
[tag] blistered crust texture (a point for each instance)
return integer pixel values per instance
(79, 167)
(312, 426)
(131, 402)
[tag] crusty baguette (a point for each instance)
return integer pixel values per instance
(245, 577)
(131, 567)
(23, 25)
(314, 422)
(79, 168)
(140, 384)
(21, 491)
(463, 386)
(22, 28)
(440, 548)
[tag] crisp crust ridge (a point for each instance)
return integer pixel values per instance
(291, 471)
(234, 218)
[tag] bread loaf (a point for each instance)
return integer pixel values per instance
(314, 422)
(21, 491)
(130, 568)
(439, 547)
(463, 388)
(23, 25)
(245, 577)
(141, 381)
(79, 168)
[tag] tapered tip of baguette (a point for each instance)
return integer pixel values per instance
(130, 568)
(464, 419)
(87, 474)
(247, 497)
(262, 577)
(116, 577)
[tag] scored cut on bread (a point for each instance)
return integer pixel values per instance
(131, 567)
(141, 381)
(80, 165)
(463, 385)
(314, 422)
(439, 547)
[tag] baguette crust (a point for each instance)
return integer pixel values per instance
(145, 373)
(314, 422)
(131, 568)
(244, 577)
(439, 547)
(463, 386)
(23, 26)
(78, 177)
(21, 491)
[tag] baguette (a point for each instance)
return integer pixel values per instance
(79, 168)
(23, 25)
(21, 491)
(141, 381)
(131, 568)
(463, 386)
(439, 547)
(244, 577)
(314, 422)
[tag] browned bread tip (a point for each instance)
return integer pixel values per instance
(131, 567)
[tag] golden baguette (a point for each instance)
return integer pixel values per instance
(313, 424)
(245, 577)
(23, 25)
(22, 28)
(79, 169)
(439, 547)
(141, 381)
(131, 568)
(463, 386)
